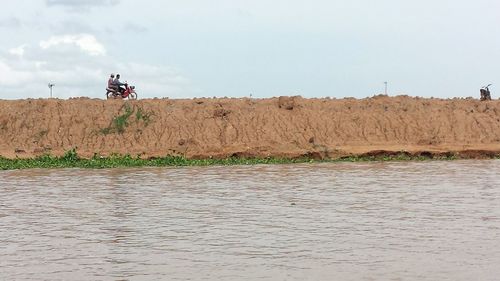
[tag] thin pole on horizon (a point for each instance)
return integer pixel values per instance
(51, 85)
(385, 91)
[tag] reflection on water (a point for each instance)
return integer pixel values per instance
(370, 221)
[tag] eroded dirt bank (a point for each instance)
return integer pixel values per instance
(277, 127)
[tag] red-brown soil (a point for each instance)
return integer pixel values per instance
(276, 127)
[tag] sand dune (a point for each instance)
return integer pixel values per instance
(278, 127)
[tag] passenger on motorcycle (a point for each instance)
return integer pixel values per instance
(111, 82)
(118, 85)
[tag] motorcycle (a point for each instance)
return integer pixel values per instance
(485, 93)
(128, 93)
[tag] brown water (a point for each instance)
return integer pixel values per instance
(370, 221)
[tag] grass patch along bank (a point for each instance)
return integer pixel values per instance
(120, 122)
(71, 160)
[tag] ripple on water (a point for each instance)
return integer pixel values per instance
(350, 221)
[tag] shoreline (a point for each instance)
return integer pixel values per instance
(72, 160)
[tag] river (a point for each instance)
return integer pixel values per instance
(427, 220)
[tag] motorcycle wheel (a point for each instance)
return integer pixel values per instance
(109, 95)
(132, 96)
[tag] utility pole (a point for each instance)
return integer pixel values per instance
(51, 85)
(385, 91)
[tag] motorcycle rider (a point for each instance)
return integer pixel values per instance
(111, 82)
(485, 93)
(119, 84)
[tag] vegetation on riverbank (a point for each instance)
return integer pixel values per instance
(120, 122)
(72, 160)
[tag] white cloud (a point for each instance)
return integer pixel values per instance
(12, 77)
(155, 79)
(79, 66)
(79, 5)
(18, 51)
(86, 42)
(82, 2)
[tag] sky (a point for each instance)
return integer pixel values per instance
(238, 48)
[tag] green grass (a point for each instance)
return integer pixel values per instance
(71, 160)
(121, 122)
(143, 115)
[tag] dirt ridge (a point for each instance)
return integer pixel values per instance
(276, 127)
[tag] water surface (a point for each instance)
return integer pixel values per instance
(342, 221)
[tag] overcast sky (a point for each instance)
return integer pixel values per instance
(234, 48)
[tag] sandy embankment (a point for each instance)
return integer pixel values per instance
(285, 127)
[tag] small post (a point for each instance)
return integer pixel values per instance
(51, 85)
(385, 91)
